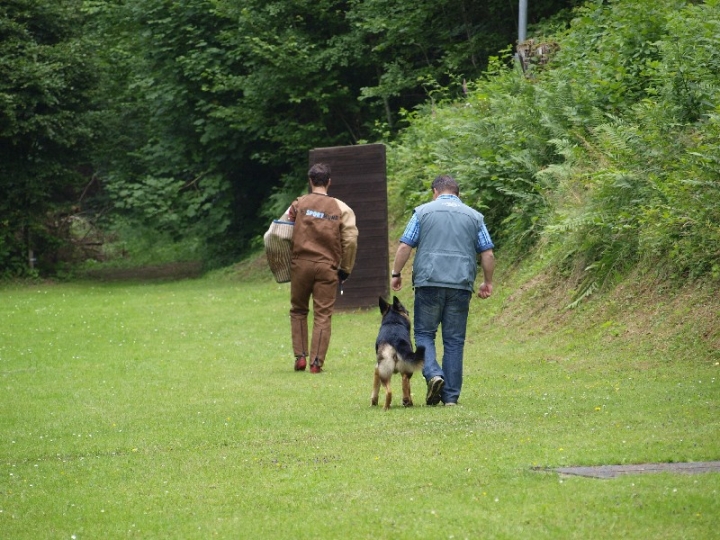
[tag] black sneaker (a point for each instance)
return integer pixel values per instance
(435, 386)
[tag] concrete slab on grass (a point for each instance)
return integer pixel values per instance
(613, 471)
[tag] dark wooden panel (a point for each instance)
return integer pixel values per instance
(359, 179)
(369, 209)
(372, 230)
(367, 273)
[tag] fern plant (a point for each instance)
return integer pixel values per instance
(609, 153)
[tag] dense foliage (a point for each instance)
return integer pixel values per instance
(192, 119)
(607, 150)
(47, 78)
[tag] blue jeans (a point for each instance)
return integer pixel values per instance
(440, 306)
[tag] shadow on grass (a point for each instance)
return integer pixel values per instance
(168, 272)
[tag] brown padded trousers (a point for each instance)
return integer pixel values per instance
(321, 281)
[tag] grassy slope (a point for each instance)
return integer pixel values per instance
(170, 410)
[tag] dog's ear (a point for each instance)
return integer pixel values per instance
(384, 306)
(399, 308)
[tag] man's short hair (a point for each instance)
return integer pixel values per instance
(319, 174)
(446, 183)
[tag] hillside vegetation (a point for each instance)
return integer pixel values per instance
(601, 157)
(597, 169)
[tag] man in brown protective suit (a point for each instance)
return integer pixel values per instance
(323, 255)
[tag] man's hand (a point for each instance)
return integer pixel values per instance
(485, 290)
(396, 283)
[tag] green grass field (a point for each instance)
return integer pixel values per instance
(171, 410)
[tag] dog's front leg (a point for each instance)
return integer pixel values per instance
(407, 397)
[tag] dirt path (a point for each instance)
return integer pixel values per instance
(169, 271)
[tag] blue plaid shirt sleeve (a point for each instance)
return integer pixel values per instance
(483, 242)
(412, 232)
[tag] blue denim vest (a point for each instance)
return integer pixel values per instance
(446, 253)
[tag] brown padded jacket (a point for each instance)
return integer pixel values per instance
(325, 231)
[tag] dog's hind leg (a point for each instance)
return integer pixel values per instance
(383, 373)
(407, 397)
(376, 388)
(388, 393)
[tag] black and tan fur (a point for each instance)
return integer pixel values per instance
(394, 352)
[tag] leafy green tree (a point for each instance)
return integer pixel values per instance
(164, 161)
(212, 105)
(217, 103)
(46, 81)
(199, 113)
(417, 47)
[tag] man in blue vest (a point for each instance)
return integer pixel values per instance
(451, 238)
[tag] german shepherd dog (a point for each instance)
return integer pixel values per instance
(394, 352)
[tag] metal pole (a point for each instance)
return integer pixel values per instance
(522, 21)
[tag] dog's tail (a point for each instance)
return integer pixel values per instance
(419, 355)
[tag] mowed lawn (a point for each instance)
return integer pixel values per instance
(171, 410)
